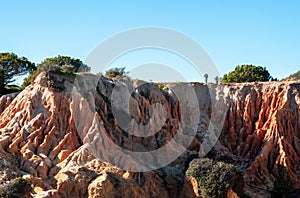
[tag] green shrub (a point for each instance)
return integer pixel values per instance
(12, 88)
(247, 73)
(68, 68)
(55, 69)
(215, 178)
(60, 61)
(118, 73)
(161, 86)
(29, 80)
(17, 188)
(63, 65)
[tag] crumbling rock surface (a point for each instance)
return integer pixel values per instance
(41, 136)
(5, 100)
(262, 131)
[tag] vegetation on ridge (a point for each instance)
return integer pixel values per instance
(66, 63)
(12, 66)
(247, 73)
(118, 73)
(58, 65)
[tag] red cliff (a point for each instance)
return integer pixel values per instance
(40, 137)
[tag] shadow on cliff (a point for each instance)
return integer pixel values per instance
(283, 184)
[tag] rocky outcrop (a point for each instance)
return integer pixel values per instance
(61, 139)
(262, 132)
(5, 100)
(36, 132)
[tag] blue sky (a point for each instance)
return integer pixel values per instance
(232, 32)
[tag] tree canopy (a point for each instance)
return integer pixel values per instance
(67, 63)
(11, 66)
(57, 64)
(247, 73)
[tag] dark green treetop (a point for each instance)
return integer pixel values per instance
(66, 61)
(247, 73)
(11, 66)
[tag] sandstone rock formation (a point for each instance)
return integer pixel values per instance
(262, 132)
(5, 100)
(50, 131)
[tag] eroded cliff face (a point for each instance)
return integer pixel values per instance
(53, 135)
(262, 132)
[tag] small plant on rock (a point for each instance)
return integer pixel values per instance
(17, 188)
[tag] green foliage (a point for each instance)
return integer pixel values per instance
(161, 86)
(214, 178)
(12, 88)
(17, 188)
(247, 73)
(28, 80)
(66, 62)
(68, 68)
(63, 65)
(11, 66)
(118, 73)
(54, 69)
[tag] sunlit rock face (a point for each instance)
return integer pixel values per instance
(54, 132)
(261, 132)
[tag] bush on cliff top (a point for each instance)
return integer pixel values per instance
(247, 73)
(118, 73)
(66, 61)
(63, 65)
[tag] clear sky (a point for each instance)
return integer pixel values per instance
(236, 32)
